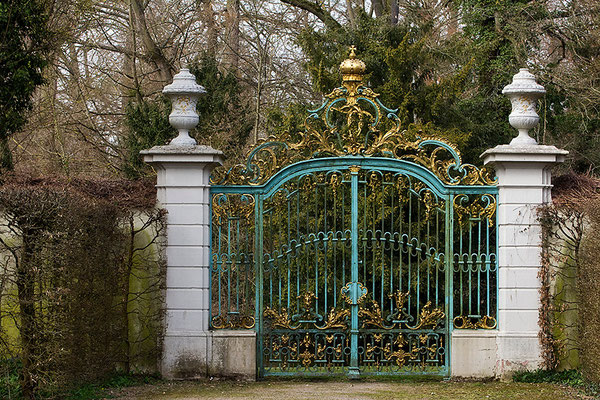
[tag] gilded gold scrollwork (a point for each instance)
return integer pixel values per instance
(335, 180)
(429, 316)
(307, 356)
(430, 201)
(353, 121)
(233, 321)
(361, 295)
(397, 351)
(279, 319)
(464, 322)
(481, 207)
(229, 205)
(371, 315)
(336, 318)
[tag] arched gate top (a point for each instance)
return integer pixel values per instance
(352, 122)
(368, 163)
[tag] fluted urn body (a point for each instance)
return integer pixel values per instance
(184, 93)
(523, 93)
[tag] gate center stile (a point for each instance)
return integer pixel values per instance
(353, 248)
(354, 370)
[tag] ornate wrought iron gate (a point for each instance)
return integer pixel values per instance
(354, 248)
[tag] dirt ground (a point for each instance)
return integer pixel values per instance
(346, 390)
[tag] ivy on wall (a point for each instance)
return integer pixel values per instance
(570, 312)
(81, 281)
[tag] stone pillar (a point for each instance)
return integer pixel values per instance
(183, 190)
(524, 184)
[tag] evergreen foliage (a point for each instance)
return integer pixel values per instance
(413, 77)
(148, 125)
(224, 122)
(451, 85)
(24, 52)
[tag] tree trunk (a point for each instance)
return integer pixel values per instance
(378, 8)
(233, 34)
(154, 52)
(6, 160)
(351, 13)
(127, 293)
(211, 27)
(258, 95)
(28, 332)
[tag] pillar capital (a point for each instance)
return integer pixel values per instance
(183, 154)
(523, 172)
(534, 155)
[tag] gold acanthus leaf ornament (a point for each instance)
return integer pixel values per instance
(371, 315)
(337, 318)
(352, 121)
(429, 316)
(279, 319)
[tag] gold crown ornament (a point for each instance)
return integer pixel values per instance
(352, 69)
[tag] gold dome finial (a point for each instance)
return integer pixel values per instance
(352, 69)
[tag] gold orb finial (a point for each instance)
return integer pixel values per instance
(352, 69)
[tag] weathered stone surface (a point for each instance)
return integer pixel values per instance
(524, 183)
(233, 354)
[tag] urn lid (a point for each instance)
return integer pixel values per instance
(184, 83)
(523, 83)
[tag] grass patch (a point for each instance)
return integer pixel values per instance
(102, 389)
(10, 387)
(9, 379)
(570, 377)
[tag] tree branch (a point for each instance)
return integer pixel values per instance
(316, 10)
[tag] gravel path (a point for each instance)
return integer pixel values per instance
(347, 390)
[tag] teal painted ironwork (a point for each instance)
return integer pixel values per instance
(353, 250)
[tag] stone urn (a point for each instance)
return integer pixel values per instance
(184, 93)
(523, 93)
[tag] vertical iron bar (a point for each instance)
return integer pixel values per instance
(487, 264)
(353, 371)
(392, 243)
(238, 258)
(479, 267)
(470, 267)
(418, 255)
(449, 277)
(316, 244)
(325, 237)
(230, 264)
(258, 265)
(289, 249)
(299, 244)
(382, 240)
